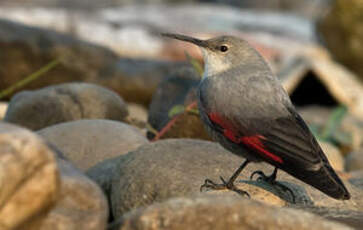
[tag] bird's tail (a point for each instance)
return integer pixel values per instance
(326, 180)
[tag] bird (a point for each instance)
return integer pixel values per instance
(245, 108)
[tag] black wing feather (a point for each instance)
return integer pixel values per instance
(290, 137)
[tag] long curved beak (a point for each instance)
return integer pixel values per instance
(198, 42)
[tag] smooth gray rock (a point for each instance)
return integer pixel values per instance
(177, 167)
(88, 142)
(103, 174)
(65, 102)
(356, 178)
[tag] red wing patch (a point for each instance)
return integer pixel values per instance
(253, 142)
(228, 130)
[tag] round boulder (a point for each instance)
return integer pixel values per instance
(354, 161)
(65, 102)
(178, 167)
(333, 154)
(221, 212)
(88, 142)
(165, 169)
(81, 204)
(29, 178)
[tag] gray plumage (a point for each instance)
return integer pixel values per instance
(245, 108)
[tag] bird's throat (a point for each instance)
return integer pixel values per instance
(213, 64)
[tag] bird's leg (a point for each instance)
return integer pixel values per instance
(227, 184)
(272, 180)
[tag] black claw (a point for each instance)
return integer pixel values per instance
(241, 192)
(259, 173)
(207, 184)
(272, 180)
(210, 184)
(225, 185)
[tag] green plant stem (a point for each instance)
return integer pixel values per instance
(29, 78)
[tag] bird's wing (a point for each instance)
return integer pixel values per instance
(278, 141)
(290, 138)
(288, 144)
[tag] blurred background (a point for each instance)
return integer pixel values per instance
(315, 47)
(146, 85)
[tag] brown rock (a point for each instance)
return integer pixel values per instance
(333, 154)
(262, 193)
(329, 83)
(137, 79)
(354, 127)
(29, 177)
(221, 212)
(25, 49)
(3, 108)
(88, 142)
(349, 217)
(354, 161)
(137, 115)
(65, 102)
(178, 90)
(81, 204)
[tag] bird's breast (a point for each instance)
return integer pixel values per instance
(243, 97)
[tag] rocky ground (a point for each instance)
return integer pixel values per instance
(93, 166)
(110, 142)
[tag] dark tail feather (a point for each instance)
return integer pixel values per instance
(335, 188)
(325, 179)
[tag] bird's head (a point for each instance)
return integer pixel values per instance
(220, 53)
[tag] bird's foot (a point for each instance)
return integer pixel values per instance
(269, 179)
(209, 184)
(272, 181)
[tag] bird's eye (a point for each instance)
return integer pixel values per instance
(223, 48)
